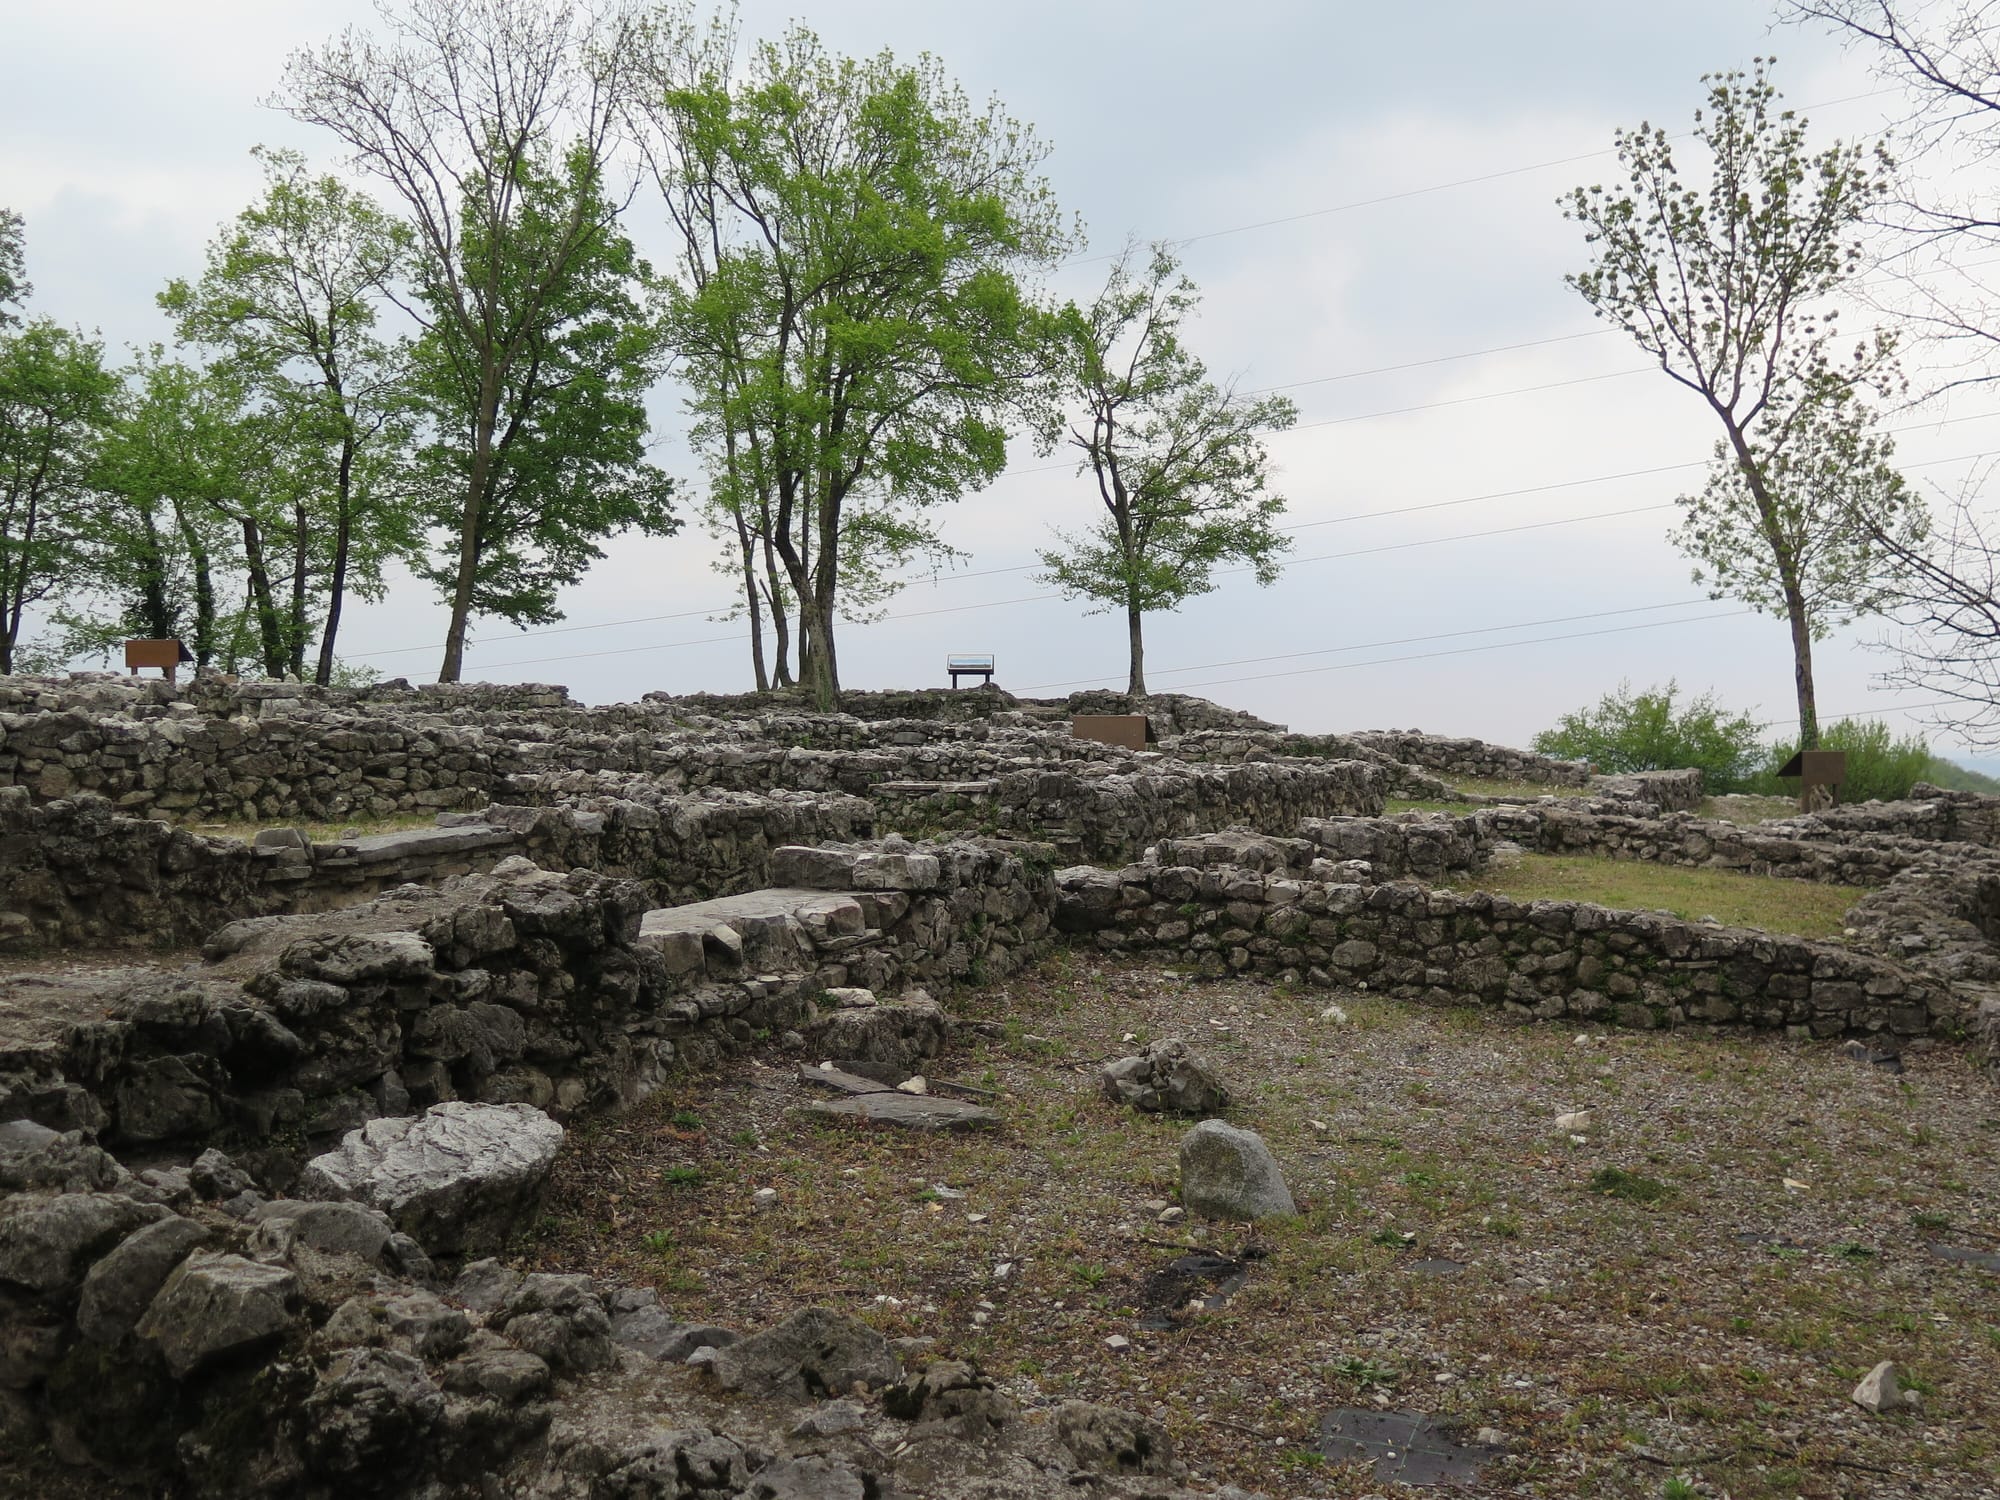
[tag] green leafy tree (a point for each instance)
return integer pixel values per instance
(56, 401)
(14, 286)
(1177, 462)
(177, 472)
(853, 327)
(290, 298)
(493, 122)
(567, 462)
(1654, 731)
(1728, 288)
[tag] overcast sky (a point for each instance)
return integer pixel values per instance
(1363, 186)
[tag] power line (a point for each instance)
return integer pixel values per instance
(955, 609)
(1424, 364)
(1455, 183)
(1385, 661)
(1409, 640)
(935, 579)
(1443, 187)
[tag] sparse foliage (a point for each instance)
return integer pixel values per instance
(1177, 461)
(1730, 289)
(14, 286)
(56, 400)
(289, 298)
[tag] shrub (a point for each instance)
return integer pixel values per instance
(1878, 764)
(1628, 731)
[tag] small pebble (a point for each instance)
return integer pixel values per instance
(764, 1198)
(1118, 1343)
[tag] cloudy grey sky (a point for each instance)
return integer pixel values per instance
(1364, 187)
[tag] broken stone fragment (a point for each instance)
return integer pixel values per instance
(1165, 1076)
(816, 1352)
(120, 1287)
(458, 1179)
(1880, 1390)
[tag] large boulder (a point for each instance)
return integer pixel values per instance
(459, 1179)
(1229, 1173)
(1165, 1076)
(122, 1286)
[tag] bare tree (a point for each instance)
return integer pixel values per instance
(462, 107)
(1937, 278)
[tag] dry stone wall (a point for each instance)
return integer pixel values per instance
(1474, 758)
(1115, 816)
(519, 986)
(1545, 959)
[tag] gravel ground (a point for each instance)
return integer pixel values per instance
(1456, 1254)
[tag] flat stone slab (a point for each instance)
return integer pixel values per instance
(911, 1111)
(425, 843)
(1405, 1447)
(840, 1081)
(1986, 1260)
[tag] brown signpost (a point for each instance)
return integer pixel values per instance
(1821, 773)
(1130, 730)
(167, 655)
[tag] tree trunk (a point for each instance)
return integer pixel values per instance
(781, 628)
(747, 546)
(15, 600)
(295, 627)
(468, 526)
(1136, 686)
(270, 633)
(155, 614)
(336, 589)
(1802, 669)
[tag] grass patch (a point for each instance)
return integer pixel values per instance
(1801, 908)
(1616, 1182)
(318, 833)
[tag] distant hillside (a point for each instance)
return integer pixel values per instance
(1957, 778)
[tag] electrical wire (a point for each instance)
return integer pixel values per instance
(1408, 640)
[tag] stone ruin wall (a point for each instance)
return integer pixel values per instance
(521, 986)
(1541, 960)
(616, 895)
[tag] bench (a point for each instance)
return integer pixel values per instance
(970, 664)
(167, 655)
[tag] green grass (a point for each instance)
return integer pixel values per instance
(1798, 907)
(1616, 1182)
(318, 833)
